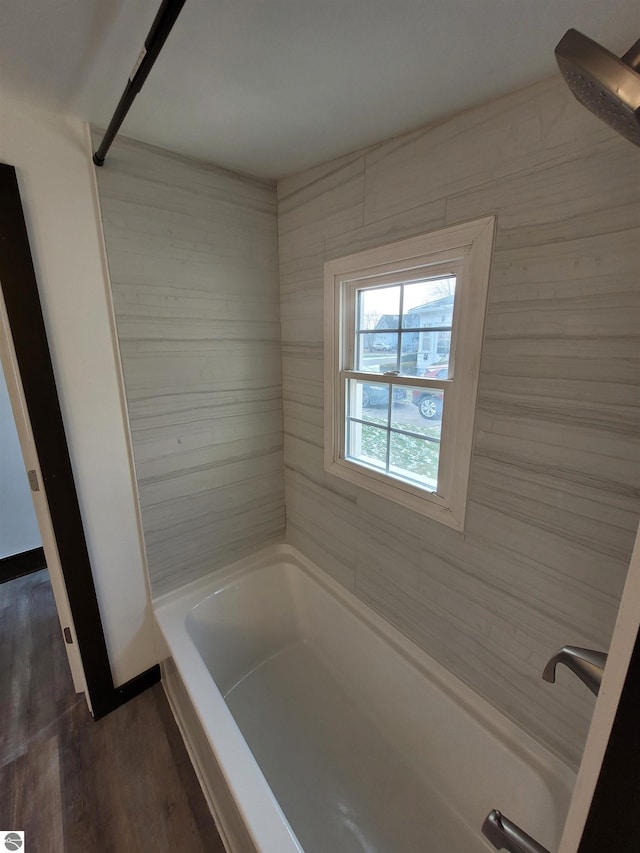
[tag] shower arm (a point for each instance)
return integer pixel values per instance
(160, 29)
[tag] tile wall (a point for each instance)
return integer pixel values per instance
(192, 253)
(554, 498)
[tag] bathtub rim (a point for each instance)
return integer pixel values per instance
(266, 823)
(172, 608)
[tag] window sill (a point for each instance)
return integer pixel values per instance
(422, 502)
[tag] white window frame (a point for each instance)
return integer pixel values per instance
(467, 249)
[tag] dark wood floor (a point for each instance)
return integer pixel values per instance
(122, 784)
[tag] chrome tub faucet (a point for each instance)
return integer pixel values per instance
(505, 835)
(587, 664)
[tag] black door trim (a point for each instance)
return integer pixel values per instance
(613, 822)
(20, 289)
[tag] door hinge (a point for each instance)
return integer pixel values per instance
(67, 636)
(33, 480)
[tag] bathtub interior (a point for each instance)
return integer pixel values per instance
(385, 749)
(244, 623)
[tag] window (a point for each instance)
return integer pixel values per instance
(403, 335)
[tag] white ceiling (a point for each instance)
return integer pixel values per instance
(270, 87)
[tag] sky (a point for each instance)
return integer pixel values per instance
(386, 300)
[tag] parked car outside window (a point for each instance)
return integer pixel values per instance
(377, 395)
(430, 403)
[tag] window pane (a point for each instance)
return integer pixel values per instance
(364, 350)
(377, 353)
(417, 410)
(367, 444)
(428, 304)
(432, 358)
(414, 459)
(428, 408)
(409, 445)
(408, 353)
(368, 401)
(414, 455)
(395, 428)
(378, 308)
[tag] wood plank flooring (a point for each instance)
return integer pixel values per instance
(124, 783)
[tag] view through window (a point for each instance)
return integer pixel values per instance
(404, 324)
(401, 329)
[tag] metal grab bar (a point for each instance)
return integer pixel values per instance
(505, 835)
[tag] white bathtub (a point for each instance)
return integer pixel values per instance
(316, 726)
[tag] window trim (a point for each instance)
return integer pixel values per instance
(472, 244)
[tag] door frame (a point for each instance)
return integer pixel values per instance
(31, 462)
(604, 813)
(32, 364)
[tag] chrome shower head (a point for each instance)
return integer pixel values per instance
(605, 84)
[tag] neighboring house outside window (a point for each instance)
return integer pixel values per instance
(404, 325)
(437, 317)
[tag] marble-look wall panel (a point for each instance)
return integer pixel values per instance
(532, 128)
(554, 500)
(192, 254)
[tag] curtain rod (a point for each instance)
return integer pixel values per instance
(160, 29)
